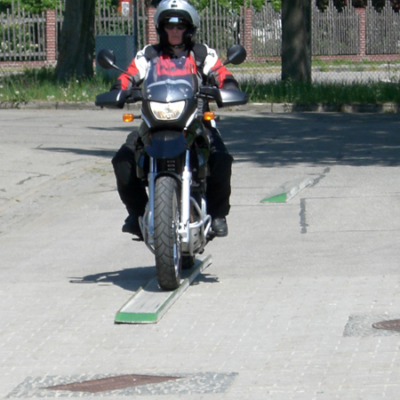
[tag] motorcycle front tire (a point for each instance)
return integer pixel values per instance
(167, 243)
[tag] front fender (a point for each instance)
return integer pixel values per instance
(165, 144)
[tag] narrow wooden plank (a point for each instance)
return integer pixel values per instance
(150, 303)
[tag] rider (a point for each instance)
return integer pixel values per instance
(176, 22)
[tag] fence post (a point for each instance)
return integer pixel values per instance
(51, 43)
(247, 30)
(361, 27)
(151, 32)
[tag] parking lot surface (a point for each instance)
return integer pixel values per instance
(285, 311)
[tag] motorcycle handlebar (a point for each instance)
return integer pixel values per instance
(223, 97)
(117, 98)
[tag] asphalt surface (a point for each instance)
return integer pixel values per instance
(286, 309)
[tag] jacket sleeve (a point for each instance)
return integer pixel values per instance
(136, 72)
(223, 78)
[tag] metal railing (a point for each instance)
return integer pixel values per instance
(354, 44)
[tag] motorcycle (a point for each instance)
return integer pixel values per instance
(173, 160)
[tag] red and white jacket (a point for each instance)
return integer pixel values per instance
(140, 65)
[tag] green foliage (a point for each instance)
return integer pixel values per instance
(110, 3)
(33, 6)
(230, 4)
(37, 6)
(276, 5)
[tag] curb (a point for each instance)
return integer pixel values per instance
(279, 108)
(51, 105)
(273, 108)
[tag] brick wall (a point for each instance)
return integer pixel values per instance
(51, 36)
(151, 33)
(361, 14)
(247, 31)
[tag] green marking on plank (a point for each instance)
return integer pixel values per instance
(280, 198)
(288, 190)
(150, 303)
(135, 317)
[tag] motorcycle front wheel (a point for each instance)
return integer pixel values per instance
(167, 243)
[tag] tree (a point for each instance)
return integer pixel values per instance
(76, 53)
(296, 40)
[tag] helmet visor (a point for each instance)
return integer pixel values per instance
(169, 26)
(172, 22)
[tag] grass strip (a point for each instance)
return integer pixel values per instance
(39, 84)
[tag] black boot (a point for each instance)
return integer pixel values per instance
(132, 226)
(219, 227)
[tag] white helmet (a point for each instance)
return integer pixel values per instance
(176, 8)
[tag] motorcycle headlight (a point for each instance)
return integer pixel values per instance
(167, 111)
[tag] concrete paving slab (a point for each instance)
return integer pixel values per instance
(272, 309)
(367, 213)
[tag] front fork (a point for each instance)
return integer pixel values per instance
(147, 223)
(184, 230)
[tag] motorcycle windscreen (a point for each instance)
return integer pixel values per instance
(170, 79)
(166, 144)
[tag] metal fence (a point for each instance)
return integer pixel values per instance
(383, 31)
(352, 45)
(22, 35)
(334, 33)
(266, 32)
(220, 27)
(109, 22)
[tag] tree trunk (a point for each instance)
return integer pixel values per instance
(296, 40)
(77, 41)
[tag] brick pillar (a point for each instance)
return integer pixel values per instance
(247, 31)
(151, 33)
(361, 13)
(51, 45)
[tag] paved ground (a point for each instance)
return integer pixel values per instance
(284, 312)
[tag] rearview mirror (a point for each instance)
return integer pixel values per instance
(236, 54)
(106, 59)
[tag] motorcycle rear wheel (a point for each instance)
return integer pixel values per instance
(167, 243)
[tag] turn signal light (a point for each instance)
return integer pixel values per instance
(128, 117)
(209, 116)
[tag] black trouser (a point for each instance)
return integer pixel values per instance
(133, 193)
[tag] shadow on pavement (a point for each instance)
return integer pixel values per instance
(130, 279)
(288, 139)
(272, 140)
(133, 278)
(205, 278)
(94, 153)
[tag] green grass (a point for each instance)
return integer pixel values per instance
(326, 93)
(316, 62)
(39, 84)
